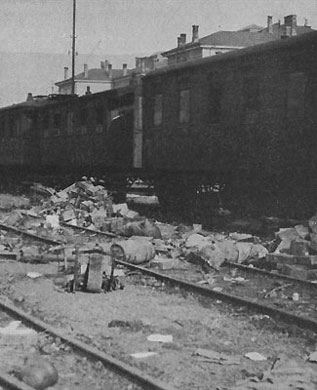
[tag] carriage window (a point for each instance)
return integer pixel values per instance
(99, 115)
(83, 116)
(215, 95)
(46, 121)
(2, 128)
(57, 120)
(13, 128)
(184, 100)
(251, 93)
(70, 122)
(158, 110)
(296, 91)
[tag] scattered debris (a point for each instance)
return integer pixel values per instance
(312, 357)
(142, 355)
(255, 356)
(216, 357)
(160, 338)
(34, 275)
(37, 372)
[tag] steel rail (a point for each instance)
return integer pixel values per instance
(132, 373)
(107, 234)
(303, 322)
(270, 274)
(12, 383)
(29, 235)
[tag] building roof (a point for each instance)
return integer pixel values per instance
(277, 28)
(97, 74)
(236, 38)
(274, 46)
(233, 39)
(252, 27)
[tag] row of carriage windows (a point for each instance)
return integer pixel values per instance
(51, 123)
(250, 102)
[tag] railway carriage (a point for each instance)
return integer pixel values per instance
(244, 121)
(60, 134)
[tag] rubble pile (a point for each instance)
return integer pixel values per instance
(296, 253)
(132, 238)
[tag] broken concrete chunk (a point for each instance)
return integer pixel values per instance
(299, 247)
(160, 338)
(121, 209)
(68, 214)
(196, 240)
(312, 223)
(212, 255)
(164, 263)
(142, 355)
(14, 218)
(145, 228)
(229, 250)
(302, 231)
(255, 356)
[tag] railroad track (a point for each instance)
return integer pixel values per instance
(125, 374)
(258, 290)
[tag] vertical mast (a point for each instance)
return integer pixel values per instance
(73, 47)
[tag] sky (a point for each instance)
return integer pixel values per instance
(132, 26)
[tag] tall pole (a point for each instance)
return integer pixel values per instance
(73, 47)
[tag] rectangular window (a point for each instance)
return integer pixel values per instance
(46, 121)
(12, 128)
(99, 115)
(57, 121)
(184, 106)
(70, 122)
(83, 116)
(296, 91)
(251, 93)
(214, 107)
(2, 128)
(158, 110)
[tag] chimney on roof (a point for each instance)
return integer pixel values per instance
(183, 39)
(179, 41)
(290, 21)
(65, 72)
(29, 98)
(195, 34)
(102, 65)
(109, 70)
(125, 69)
(85, 71)
(287, 32)
(270, 24)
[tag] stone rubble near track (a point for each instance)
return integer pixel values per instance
(138, 240)
(158, 245)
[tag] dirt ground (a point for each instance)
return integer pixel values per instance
(192, 323)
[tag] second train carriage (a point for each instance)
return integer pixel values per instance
(61, 134)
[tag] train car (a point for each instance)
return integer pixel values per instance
(19, 146)
(244, 121)
(92, 133)
(66, 134)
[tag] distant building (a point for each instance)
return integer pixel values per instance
(224, 41)
(288, 29)
(95, 80)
